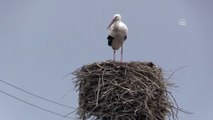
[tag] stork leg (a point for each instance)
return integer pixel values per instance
(122, 53)
(114, 55)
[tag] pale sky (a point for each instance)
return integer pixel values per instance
(43, 40)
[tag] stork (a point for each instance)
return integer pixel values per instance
(117, 34)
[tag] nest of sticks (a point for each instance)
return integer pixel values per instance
(123, 91)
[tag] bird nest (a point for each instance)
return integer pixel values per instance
(123, 91)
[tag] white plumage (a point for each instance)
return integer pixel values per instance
(117, 34)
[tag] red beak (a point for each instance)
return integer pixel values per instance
(111, 23)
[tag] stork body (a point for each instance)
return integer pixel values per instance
(117, 35)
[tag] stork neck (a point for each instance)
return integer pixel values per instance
(116, 23)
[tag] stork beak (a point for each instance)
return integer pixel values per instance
(113, 20)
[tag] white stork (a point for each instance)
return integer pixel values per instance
(117, 34)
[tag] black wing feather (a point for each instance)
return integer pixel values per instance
(110, 39)
(125, 37)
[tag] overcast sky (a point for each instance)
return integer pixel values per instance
(43, 40)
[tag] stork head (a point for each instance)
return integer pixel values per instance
(116, 17)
